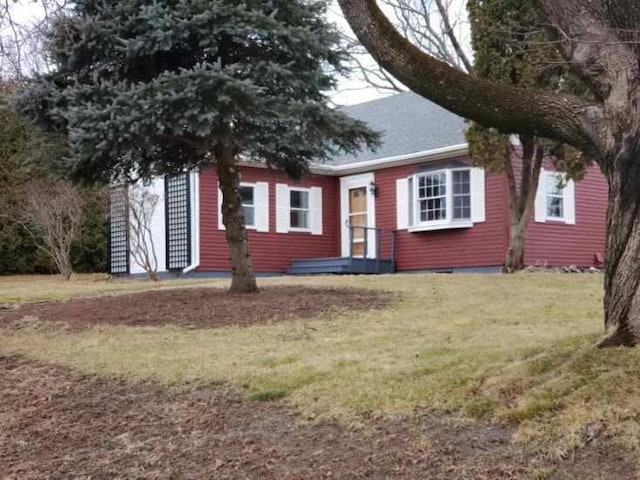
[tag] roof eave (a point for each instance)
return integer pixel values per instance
(395, 161)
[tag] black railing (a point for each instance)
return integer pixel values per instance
(381, 234)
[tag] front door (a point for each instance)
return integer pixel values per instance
(358, 217)
(358, 210)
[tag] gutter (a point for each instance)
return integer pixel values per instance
(379, 163)
(195, 225)
(398, 160)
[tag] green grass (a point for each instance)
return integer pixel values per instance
(515, 349)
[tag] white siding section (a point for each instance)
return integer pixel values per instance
(282, 208)
(402, 203)
(194, 179)
(569, 199)
(477, 195)
(315, 210)
(540, 214)
(157, 226)
(262, 206)
(220, 220)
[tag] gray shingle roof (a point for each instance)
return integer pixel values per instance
(408, 123)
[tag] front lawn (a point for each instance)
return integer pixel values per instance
(518, 350)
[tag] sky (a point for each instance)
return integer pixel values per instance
(350, 91)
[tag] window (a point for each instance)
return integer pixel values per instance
(554, 197)
(461, 194)
(247, 196)
(452, 196)
(299, 209)
(432, 197)
(442, 197)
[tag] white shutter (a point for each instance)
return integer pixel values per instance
(315, 210)
(569, 200)
(282, 208)
(262, 206)
(477, 195)
(220, 220)
(540, 215)
(402, 203)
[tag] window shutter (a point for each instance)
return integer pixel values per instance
(569, 199)
(282, 208)
(541, 199)
(220, 220)
(315, 210)
(402, 203)
(477, 195)
(262, 206)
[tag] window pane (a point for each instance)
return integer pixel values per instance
(299, 199)
(246, 194)
(553, 183)
(461, 182)
(299, 219)
(555, 207)
(249, 216)
(462, 207)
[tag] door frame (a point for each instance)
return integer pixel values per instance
(346, 184)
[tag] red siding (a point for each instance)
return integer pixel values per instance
(482, 245)
(560, 244)
(271, 252)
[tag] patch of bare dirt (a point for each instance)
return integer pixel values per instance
(201, 307)
(58, 424)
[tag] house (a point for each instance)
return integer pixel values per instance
(415, 204)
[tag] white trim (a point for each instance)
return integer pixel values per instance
(261, 206)
(448, 221)
(282, 208)
(316, 217)
(299, 189)
(194, 178)
(478, 195)
(255, 212)
(346, 184)
(378, 163)
(402, 203)
(442, 226)
(407, 159)
(568, 200)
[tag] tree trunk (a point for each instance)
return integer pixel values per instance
(622, 274)
(243, 279)
(65, 269)
(521, 200)
(514, 260)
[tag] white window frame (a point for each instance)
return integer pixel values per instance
(315, 217)
(255, 210)
(448, 221)
(568, 199)
(557, 177)
(308, 209)
(260, 206)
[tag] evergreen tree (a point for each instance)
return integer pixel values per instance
(25, 152)
(512, 47)
(148, 87)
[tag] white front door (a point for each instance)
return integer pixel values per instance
(357, 205)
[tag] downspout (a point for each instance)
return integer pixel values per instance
(195, 224)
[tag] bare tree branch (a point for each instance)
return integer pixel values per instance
(51, 212)
(566, 118)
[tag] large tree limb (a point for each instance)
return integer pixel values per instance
(566, 118)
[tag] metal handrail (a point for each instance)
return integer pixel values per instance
(379, 232)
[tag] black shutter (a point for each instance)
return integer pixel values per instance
(178, 221)
(119, 231)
